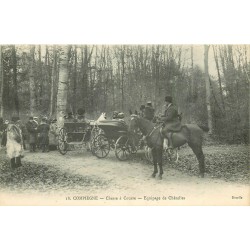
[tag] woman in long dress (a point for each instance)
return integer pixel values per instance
(14, 145)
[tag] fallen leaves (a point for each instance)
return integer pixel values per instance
(44, 178)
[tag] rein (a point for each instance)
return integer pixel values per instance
(151, 132)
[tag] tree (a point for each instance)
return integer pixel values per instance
(1, 83)
(63, 83)
(208, 90)
(32, 80)
(53, 81)
(14, 79)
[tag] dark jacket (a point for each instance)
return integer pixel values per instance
(149, 113)
(171, 119)
(32, 130)
(43, 129)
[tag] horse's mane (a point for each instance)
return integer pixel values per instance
(145, 124)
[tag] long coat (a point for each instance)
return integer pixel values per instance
(171, 119)
(53, 133)
(14, 145)
(43, 129)
(149, 113)
(32, 130)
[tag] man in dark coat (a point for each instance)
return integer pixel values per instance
(171, 121)
(43, 129)
(142, 110)
(149, 111)
(32, 130)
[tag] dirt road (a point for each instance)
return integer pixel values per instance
(129, 183)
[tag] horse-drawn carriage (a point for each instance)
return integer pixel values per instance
(74, 134)
(114, 135)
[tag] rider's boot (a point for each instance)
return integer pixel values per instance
(170, 141)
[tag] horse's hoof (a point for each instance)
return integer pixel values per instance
(160, 177)
(153, 175)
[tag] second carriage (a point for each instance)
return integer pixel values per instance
(114, 135)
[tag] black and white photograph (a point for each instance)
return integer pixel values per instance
(124, 124)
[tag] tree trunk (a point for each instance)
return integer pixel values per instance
(53, 80)
(1, 83)
(219, 77)
(63, 84)
(32, 81)
(208, 89)
(14, 80)
(193, 94)
(75, 81)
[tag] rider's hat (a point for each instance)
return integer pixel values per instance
(168, 98)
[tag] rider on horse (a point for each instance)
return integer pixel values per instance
(171, 122)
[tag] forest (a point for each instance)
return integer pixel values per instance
(49, 80)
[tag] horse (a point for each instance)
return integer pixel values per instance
(191, 134)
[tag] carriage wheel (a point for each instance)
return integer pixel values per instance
(100, 146)
(95, 131)
(148, 154)
(62, 144)
(123, 148)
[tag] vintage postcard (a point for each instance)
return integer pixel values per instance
(151, 125)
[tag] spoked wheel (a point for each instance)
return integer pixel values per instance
(95, 131)
(100, 146)
(148, 154)
(62, 144)
(172, 154)
(123, 148)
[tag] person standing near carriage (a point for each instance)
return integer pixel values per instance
(43, 130)
(142, 110)
(171, 122)
(14, 144)
(32, 130)
(149, 111)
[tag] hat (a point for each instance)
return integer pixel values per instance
(80, 111)
(35, 118)
(120, 115)
(168, 98)
(15, 118)
(142, 107)
(149, 102)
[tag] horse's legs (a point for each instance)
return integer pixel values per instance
(200, 157)
(159, 159)
(154, 154)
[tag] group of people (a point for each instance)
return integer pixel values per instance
(79, 117)
(14, 135)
